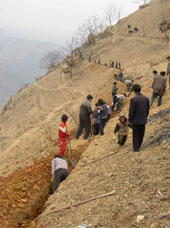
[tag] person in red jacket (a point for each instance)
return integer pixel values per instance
(62, 134)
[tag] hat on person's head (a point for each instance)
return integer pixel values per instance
(168, 57)
(114, 82)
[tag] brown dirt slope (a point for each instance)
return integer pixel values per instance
(25, 190)
(28, 136)
(140, 181)
(38, 135)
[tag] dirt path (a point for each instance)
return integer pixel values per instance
(64, 86)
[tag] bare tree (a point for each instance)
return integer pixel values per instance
(101, 26)
(69, 49)
(110, 14)
(88, 31)
(164, 22)
(118, 13)
(71, 45)
(91, 40)
(113, 13)
(164, 27)
(87, 28)
(51, 59)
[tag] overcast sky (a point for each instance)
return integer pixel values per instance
(53, 20)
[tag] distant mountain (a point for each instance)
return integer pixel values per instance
(19, 63)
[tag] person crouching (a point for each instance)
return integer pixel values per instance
(59, 171)
(122, 129)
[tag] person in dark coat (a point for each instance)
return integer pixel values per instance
(120, 76)
(115, 76)
(159, 87)
(103, 113)
(84, 118)
(138, 113)
(119, 65)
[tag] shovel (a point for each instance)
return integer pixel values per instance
(72, 160)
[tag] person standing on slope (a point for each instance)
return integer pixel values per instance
(138, 113)
(114, 89)
(63, 134)
(159, 87)
(84, 118)
(122, 129)
(103, 113)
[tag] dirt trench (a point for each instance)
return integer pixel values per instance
(24, 192)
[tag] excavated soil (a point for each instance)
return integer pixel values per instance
(24, 192)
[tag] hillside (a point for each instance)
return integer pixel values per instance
(28, 125)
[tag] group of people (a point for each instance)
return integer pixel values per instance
(137, 119)
(112, 64)
(100, 117)
(138, 112)
(119, 76)
(127, 80)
